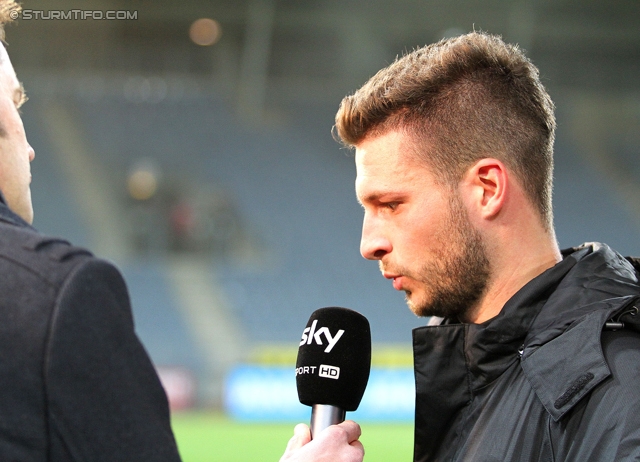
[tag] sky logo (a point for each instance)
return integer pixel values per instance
(310, 334)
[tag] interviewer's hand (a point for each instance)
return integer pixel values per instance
(337, 443)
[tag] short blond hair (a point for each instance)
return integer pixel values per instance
(9, 10)
(467, 97)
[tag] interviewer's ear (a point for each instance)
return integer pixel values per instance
(486, 185)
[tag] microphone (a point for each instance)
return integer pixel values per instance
(332, 369)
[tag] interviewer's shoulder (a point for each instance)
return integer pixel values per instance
(50, 259)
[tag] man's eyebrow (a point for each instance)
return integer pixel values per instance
(370, 197)
(20, 96)
(374, 196)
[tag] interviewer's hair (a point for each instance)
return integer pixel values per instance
(9, 10)
(461, 100)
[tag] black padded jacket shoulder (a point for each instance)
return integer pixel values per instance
(546, 379)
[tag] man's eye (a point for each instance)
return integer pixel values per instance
(391, 205)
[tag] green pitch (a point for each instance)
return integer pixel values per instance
(204, 437)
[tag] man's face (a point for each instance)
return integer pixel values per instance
(15, 151)
(418, 230)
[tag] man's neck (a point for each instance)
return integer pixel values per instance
(512, 272)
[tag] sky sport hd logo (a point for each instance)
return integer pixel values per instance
(71, 15)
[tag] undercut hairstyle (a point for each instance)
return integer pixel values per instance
(461, 100)
(9, 10)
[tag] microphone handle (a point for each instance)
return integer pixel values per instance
(324, 415)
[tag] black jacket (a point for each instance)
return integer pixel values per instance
(75, 382)
(545, 380)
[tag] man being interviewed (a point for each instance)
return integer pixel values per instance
(454, 156)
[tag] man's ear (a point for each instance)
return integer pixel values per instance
(486, 184)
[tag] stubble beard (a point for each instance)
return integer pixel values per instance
(456, 278)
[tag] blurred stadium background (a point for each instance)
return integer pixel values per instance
(190, 142)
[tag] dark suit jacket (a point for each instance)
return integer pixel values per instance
(75, 382)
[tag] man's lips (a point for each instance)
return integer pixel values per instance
(397, 279)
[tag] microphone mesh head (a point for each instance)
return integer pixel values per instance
(334, 358)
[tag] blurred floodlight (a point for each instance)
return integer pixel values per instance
(205, 32)
(143, 182)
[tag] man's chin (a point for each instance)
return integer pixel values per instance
(419, 309)
(426, 308)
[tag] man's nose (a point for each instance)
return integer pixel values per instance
(373, 244)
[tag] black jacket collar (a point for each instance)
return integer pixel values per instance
(545, 308)
(562, 357)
